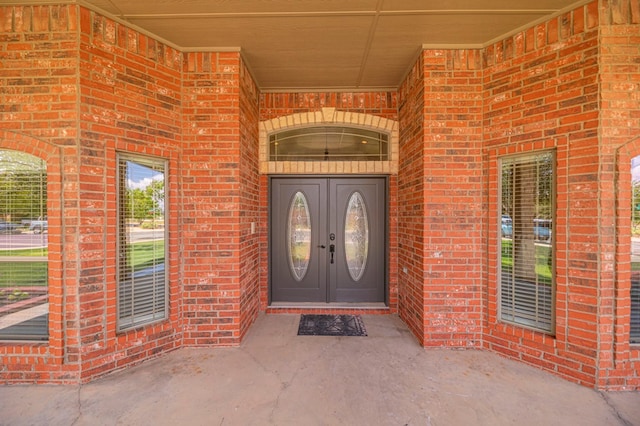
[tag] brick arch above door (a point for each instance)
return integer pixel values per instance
(329, 117)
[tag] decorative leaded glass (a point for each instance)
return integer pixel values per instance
(356, 236)
(299, 236)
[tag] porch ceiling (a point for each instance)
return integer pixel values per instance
(328, 44)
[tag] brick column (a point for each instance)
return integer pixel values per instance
(411, 201)
(211, 198)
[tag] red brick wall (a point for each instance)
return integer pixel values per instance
(382, 104)
(619, 362)
(440, 198)
(38, 115)
(411, 196)
(38, 50)
(249, 223)
(137, 96)
(130, 102)
(453, 198)
(76, 88)
(211, 198)
(541, 91)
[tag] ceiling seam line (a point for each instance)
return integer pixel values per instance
(470, 12)
(209, 15)
(206, 15)
(367, 49)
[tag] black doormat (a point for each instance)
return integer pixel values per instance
(331, 325)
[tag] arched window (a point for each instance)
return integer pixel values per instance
(635, 250)
(24, 307)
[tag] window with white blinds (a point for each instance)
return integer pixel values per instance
(24, 294)
(142, 283)
(527, 284)
(635, 250)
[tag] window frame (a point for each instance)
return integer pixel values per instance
(311, 138)
(134, 321)
(42, 327)
(523, 158)
(634, 279)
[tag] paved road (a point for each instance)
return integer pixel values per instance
(22, 241)
(146, 234)
(27, 239)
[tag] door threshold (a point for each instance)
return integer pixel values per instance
(325, 306)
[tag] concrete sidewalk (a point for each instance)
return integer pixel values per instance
(278, 378)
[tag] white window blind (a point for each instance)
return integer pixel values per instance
(142, 284)
(635, 309)
(527, 285)
(24, 307)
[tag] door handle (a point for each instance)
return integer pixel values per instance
(322, 246)
(332, 250)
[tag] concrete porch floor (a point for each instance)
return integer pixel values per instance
(278, 378)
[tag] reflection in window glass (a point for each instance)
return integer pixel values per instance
(527, 284)
(329, 144)
(142, 287)
(24, 307)
(635, 251)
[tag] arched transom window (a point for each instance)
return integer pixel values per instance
(329, 143)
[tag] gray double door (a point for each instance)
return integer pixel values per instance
(327, 240)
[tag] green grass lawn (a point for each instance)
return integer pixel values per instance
(23, 274)
(146, 254)
(25, 252)
(543, 253)
(34, 273)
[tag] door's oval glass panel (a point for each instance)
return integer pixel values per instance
(356, 236)
(299, 236)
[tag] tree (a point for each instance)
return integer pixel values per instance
(23, 186)
(635, 211)
(145, 203)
